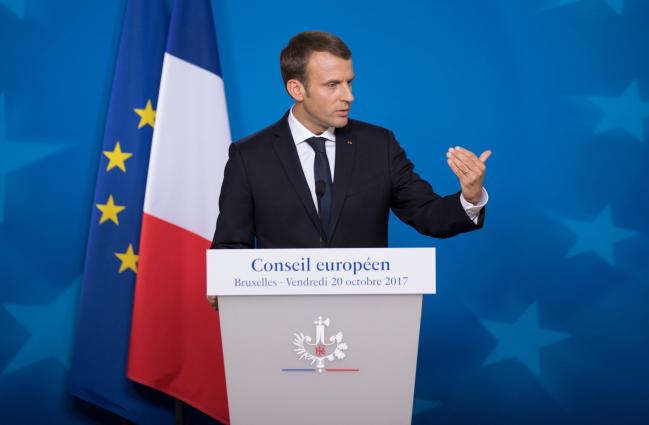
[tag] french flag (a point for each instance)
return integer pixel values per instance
(175, 343)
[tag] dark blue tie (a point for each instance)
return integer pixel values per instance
(322, 172)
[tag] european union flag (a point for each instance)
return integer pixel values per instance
(97, 373)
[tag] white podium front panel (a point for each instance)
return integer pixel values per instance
(320, 336)
(270, 381)
(360, 271)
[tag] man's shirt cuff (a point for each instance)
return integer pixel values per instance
(473, 211)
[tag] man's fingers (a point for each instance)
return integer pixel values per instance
(464, 154)
(214, 301)
(463, 168)
(456, 170)
(468, 160)
(484, 156)
(455, 156)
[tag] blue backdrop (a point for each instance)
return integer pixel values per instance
(541, 316)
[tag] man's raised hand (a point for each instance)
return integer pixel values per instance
(469, 169)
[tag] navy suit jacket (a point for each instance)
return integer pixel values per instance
(265, 201)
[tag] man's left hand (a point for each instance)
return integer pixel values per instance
(469, 169)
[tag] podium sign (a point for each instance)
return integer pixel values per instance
(320, 336)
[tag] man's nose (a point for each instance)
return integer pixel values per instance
(347, 95)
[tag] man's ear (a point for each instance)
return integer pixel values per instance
(296, 90)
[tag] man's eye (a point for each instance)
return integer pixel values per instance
(331, 85)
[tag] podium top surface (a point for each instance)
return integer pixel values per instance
(326, 271)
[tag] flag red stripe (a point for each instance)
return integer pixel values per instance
(175, 335)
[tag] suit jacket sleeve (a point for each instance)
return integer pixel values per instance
(235, 224)
(414, 201)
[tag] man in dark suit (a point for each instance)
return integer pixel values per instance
(319, 179)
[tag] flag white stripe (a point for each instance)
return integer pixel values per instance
(190, 148)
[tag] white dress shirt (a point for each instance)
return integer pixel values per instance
(307, 157)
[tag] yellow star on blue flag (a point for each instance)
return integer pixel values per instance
(147, 115)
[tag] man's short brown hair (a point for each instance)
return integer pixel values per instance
(295, 56)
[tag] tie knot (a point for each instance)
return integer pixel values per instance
(317, 143)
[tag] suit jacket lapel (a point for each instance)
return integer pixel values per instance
(345, 153)
(287, 153)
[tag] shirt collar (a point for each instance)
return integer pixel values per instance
(300, 133)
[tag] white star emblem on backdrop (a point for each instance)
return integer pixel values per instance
(627, 111)
(521, 340)
(598, 235)
(50, 329)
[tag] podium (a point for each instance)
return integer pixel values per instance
(320, 336)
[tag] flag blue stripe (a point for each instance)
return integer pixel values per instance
(196, 44)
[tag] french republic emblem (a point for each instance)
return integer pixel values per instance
(320, 350)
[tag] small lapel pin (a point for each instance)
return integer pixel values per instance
(349, 142)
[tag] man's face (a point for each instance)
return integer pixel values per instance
(328, 93)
